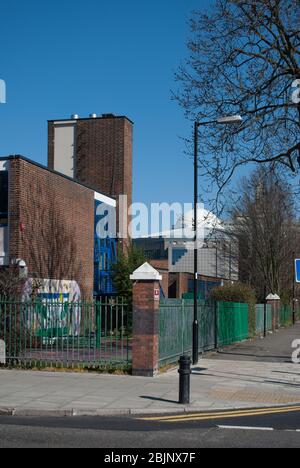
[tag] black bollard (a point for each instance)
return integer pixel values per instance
(184, 379)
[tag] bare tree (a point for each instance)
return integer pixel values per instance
(244, 56)
(11, 282)
(51, 250)
(267, 233)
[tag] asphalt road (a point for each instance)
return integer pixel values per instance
(279, 428)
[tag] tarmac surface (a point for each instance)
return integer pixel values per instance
(269, 428)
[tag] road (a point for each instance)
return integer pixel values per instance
(252, 428)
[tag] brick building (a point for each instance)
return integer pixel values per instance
(48, 221)
(51, 217)
(96, 151)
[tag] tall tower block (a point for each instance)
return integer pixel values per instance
(96, 151)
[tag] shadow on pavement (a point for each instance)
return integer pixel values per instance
(145, 397)
(254, 356)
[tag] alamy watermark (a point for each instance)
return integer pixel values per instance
(296, 93)
(296, 353)
(159, 220)
(2, 92)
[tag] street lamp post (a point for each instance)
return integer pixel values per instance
(195, 323)
(235, 119)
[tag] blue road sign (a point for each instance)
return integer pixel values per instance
(297, 270)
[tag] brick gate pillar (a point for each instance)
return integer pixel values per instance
(274, 301)
(146, 295)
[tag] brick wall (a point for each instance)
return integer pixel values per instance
(103, 154)
(51, 224)
(145, 329)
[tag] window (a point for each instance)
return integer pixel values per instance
(177, 254)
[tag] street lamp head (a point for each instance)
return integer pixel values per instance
(232, 119)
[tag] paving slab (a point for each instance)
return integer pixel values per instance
(215, 384)
(256, 373)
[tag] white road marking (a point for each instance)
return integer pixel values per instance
(247, 428)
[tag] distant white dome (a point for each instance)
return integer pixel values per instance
(206, 219)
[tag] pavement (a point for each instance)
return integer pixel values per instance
(218, 382)
(276, 347)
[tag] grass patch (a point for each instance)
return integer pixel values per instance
(44, 367)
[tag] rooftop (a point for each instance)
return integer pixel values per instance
(92, 117)
(30, 161)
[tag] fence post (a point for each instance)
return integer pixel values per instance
(265, 311)
(274, 301)
(146, 296)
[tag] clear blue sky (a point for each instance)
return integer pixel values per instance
(61, 57)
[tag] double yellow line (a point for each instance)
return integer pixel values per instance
(224, 414)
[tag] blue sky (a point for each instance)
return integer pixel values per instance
(68, 56)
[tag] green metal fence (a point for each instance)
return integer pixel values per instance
(63, 334)
(175, 328)
(233, 322)
(259, 316)
(285, 315)
(220, 324)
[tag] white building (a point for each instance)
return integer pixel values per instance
(216, 256)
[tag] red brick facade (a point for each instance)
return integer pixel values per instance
(145, 329)
(51, 224)
(103, 158)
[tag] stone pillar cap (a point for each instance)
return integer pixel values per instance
(273, 297)
(146, 273)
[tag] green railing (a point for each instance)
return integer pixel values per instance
(260, 320)
(233, 323)
(175, 328)
(285, 315)
(220, 324)
(63, 334)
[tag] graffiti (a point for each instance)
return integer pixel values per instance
(56, 311)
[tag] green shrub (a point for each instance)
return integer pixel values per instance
(238, 292)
